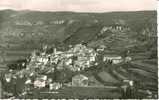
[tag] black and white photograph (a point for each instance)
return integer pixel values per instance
(78, 49)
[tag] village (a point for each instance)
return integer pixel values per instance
(61, 69)
(78, 55)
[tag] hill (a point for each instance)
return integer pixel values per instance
(28, 30)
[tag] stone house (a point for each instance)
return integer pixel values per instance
(114, 59)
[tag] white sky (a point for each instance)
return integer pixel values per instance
(79, 5)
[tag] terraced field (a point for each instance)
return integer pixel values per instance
(146, 79)
(79, 92)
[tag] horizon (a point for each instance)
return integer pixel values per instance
(27, 10)
(79, 6)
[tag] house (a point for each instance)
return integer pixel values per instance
(101, 48)
(80, 80)
(55, 86)
(114, 28)
(40, 81)
(68, 62)
(8, 77)
(58, 22)
(28, 81)
(128, 59)
(114, 59)
(92, 58)
(130, 82)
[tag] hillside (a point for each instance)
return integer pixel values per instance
(24, 31)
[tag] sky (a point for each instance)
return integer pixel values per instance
(79, 5)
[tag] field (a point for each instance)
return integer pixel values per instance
(81, 92)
